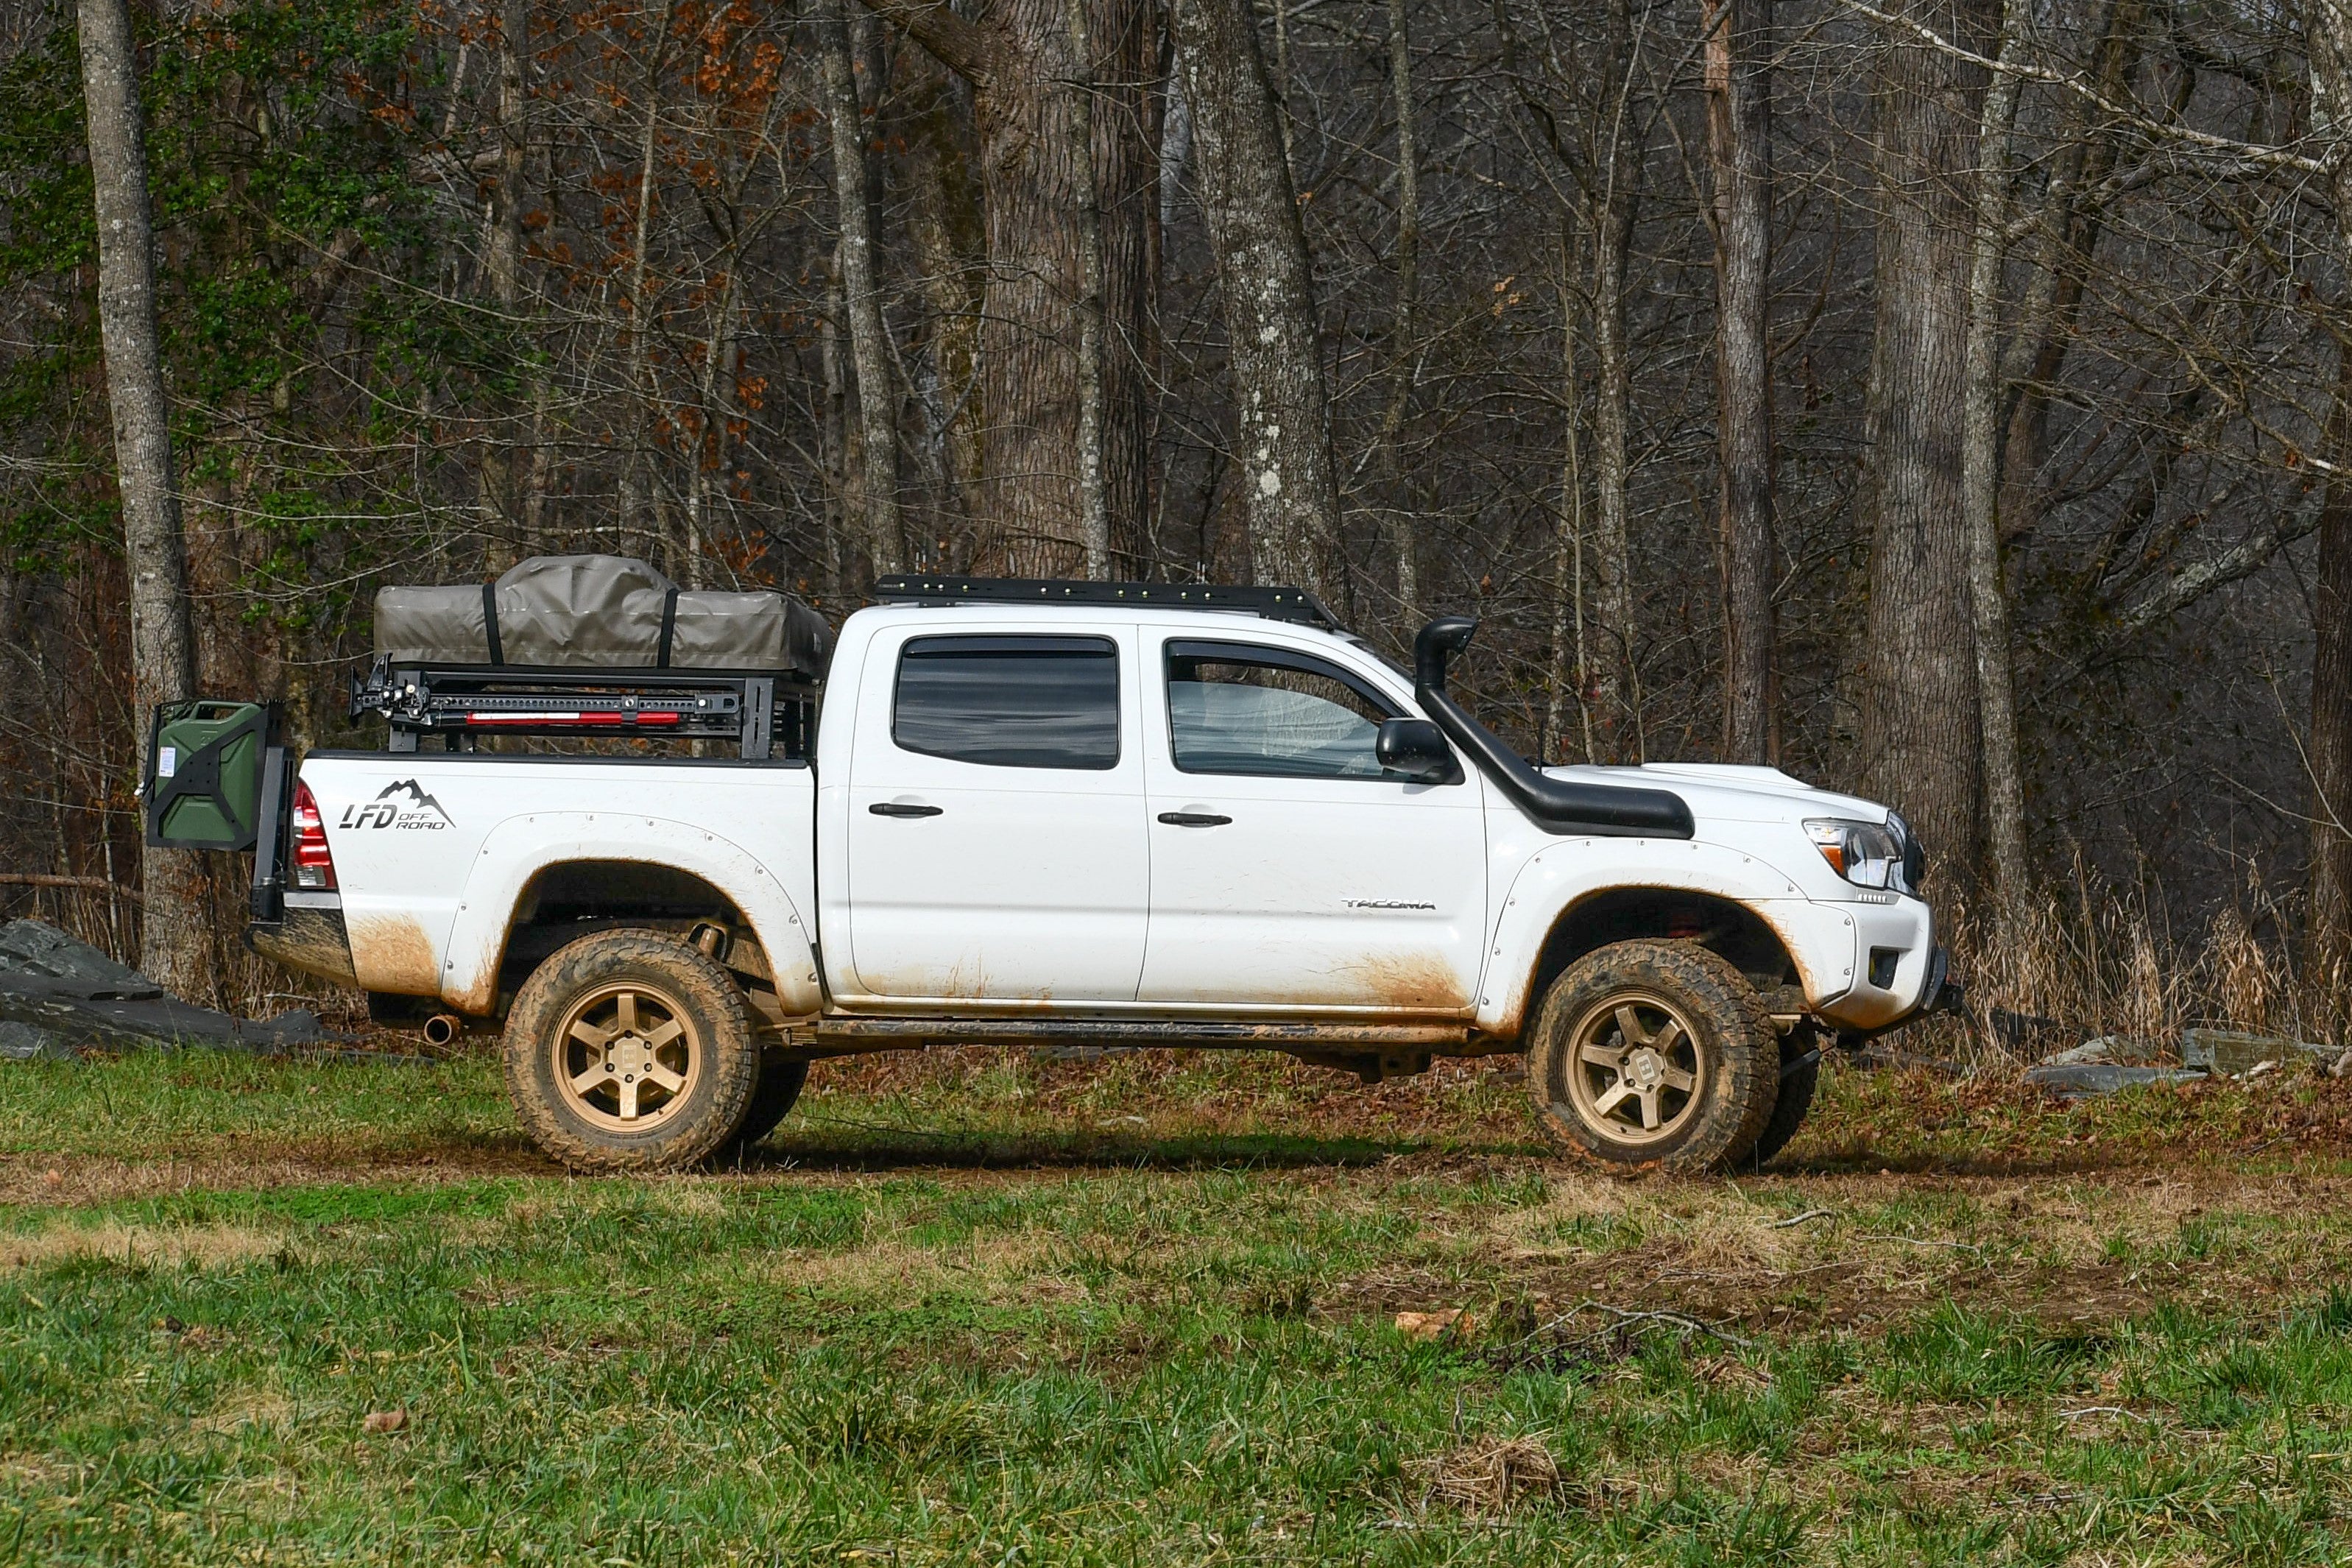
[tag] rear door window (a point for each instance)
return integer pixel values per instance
(1010, 701)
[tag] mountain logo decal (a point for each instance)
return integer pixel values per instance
(403, 803)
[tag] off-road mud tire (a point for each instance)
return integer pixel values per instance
(713, 1105)
(1798, 1078)
(781, 1078)
(1730, 1034)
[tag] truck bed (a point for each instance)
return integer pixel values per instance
(433, 850)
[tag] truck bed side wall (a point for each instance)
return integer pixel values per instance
(434, 854)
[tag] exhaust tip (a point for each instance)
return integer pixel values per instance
(443, 1028)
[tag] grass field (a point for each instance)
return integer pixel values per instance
(979, 1309)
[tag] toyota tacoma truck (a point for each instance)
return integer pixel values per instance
(1025, 812)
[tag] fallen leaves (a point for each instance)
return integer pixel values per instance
(379, 1422)
(1455, 1321)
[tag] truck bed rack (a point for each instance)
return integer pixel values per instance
(763, 712)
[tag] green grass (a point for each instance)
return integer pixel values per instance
(1134, 1312)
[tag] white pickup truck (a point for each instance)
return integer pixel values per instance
(1064, 813)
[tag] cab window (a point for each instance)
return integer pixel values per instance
(1009, 701)
(1235, 708)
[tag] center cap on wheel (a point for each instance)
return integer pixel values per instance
(1645, 1069)
(627, 1054)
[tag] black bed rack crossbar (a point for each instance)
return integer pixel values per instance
(761, 711)
(1274, 604)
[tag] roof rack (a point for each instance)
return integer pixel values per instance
(1274, 604)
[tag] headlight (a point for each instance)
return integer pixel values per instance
(1863, 853)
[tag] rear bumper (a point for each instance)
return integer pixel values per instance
(307, 936)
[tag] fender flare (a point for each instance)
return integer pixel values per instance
(1820, 937)
(518, 849)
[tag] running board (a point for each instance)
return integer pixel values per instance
(885, 1033)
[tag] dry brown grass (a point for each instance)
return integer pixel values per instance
(154, 1246)
(1491, 1475)
(2102, 959)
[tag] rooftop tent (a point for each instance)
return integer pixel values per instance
(566, 611)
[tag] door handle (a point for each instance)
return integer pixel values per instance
(901, 808)
(1193, 819)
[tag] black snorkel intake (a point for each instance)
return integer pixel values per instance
(1556, 805)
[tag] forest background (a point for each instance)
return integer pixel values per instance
(1948, 402)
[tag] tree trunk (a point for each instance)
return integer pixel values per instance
(945, 231)
(1094, 507)
(1611, 689)
(636, 511)
(173, 948)
(1920, 728)
(2328, 960)
(504, 460)
(1251, 213)
(2004, 788)
(1739, 145)
(1568, 642)
(1403, 350)
(2327, 32)
(1018, 54)
(833, 437)
(876, 491)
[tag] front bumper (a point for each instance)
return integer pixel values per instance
(1898, 972)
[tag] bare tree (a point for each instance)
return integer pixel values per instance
(175, 943)
(2004, 784)
(1017, 56)
(876, 488)
(1280, 405)
(2327, 33)
(1737, 58)
(1921, 732)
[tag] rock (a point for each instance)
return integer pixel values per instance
(383, 1421)
(2236, 1052)
(37, 949)
(21, 1042)
(2081, 1081)
(2343, 1067)
(59, 996)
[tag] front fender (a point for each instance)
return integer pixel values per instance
(520, 847)
(1820, 937)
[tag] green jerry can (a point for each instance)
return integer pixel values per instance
(204, 768)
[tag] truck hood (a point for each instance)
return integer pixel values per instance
(1730, 793)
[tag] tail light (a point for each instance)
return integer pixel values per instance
(314, 867)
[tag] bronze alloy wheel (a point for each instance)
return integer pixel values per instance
(626, 1055)
(1654, 1054)
(631, 1050)
(1637, 1072)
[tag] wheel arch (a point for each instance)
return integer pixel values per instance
(1565, 904)
(551, 881)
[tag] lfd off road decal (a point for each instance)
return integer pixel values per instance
(403, 803)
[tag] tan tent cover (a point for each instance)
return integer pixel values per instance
(571, 610)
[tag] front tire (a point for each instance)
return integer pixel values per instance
(1654, 1056)
(627, 1051)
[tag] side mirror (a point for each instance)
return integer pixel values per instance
(1417, 749)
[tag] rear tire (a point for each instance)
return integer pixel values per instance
(781, 1081)
(1654, 1056)
(627, 1051)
